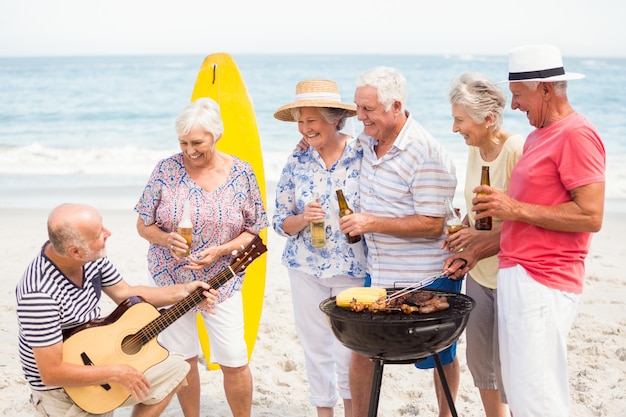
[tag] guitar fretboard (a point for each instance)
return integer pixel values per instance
(169, 316)
(156, 326)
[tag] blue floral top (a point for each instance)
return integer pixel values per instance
(304, 175)
(217, 216)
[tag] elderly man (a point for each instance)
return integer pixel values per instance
(59, 291)
(555, 201)
(406, 176)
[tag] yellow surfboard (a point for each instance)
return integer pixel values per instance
(220, 79)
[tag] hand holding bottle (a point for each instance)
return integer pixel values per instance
(184, 229)
(454, 224)
(345, 210)
(484, 223)
(314, 213)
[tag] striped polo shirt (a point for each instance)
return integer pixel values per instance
(49, 303)
(414, 177)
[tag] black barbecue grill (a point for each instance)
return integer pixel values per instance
(398, 338)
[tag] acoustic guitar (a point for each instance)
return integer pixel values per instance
(128, 336)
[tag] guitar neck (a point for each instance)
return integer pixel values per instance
(169, 316)
(254, 249)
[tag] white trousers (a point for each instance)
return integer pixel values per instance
(327, 360)
(533, 324)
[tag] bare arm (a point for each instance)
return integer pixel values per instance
(294, 224)
(411, 226)
(176, 242)
(154, 234)
(484, 243)
(209, 255)
(55, 372)
(476, 245)
(582, 214)
(158, 296)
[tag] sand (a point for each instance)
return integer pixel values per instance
(597, 342)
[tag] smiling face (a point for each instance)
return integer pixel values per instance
(198, 147)
(530, 102)
(475, 134)
(313, 126)
(377, 122)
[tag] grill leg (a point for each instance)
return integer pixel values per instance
(444, 383)
(376, 381)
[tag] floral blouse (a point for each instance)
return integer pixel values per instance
(303, 175)
(218, 216)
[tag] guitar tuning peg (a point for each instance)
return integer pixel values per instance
(234, 252)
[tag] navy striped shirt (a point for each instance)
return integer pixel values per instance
(48, 303)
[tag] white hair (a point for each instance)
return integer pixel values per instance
(203, 112)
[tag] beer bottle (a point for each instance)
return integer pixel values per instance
(185, 229)
(343, 211)
(484, 223)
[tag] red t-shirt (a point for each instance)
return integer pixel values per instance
(558, 158)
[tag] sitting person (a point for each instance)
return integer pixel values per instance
(59, 291)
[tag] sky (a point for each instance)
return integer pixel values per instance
(146, 27)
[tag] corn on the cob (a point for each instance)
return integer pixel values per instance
(362, 295)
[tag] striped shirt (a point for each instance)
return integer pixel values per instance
(414, 177)
(48, 303)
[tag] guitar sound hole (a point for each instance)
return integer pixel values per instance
(131, 344)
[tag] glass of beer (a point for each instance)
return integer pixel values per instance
(453, 228)
(318, 229)
(318, 233)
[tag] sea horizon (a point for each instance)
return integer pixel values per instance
(69, 125)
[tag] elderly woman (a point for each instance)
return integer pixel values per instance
(331, 162)
(226, 211)
(477, 108)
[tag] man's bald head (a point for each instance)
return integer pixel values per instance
(72, 225)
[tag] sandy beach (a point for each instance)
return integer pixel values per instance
(597, 343)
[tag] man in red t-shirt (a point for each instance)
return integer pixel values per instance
(555, 201)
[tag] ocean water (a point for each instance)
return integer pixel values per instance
(91, 129)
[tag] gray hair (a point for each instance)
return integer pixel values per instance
(329, 114)
(479, 97)
(63, 238)
(560, 87)
(390, 85)
(63, 229)
(203, 112)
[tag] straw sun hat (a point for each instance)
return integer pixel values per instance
(538, 63)
(314, 93)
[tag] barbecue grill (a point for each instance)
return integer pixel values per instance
(398, 338)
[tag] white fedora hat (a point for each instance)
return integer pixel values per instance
(538, 63)
(315, 93)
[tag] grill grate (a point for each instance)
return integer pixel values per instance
(459, 306)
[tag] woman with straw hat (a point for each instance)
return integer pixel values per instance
(306, 192)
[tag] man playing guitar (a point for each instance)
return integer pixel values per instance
(60, 290)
